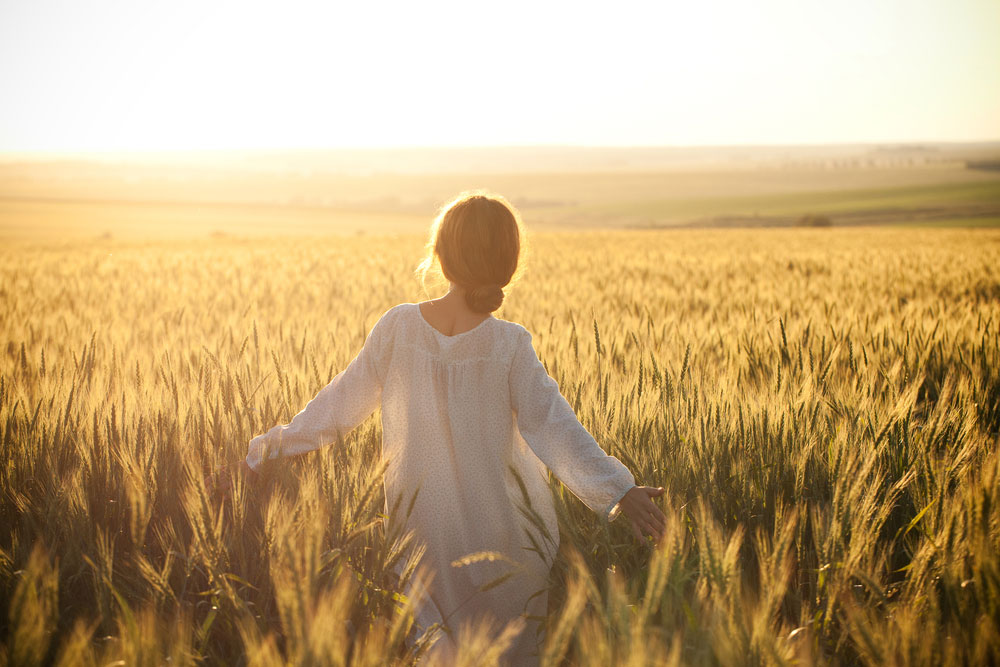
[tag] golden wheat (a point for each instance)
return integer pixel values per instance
(822, 406)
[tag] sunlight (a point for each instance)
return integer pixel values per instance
(111, 75)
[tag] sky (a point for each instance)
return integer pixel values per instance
(135, 75)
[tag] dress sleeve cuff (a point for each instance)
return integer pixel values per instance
(254, 454)
(613, 510)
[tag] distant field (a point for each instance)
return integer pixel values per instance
(988, 221)
(130, 200)
(47, 220)
(926, 203)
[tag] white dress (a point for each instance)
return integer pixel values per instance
(463, 417)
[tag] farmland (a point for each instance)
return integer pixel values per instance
(306, 194)
(822, 406)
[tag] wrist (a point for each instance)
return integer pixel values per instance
(616, 507)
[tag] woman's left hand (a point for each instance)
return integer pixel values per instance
(643, 513)
(220, 483)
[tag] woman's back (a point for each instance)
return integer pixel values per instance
(449, 441)
(447, 418)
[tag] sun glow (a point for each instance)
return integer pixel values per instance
(125, 76)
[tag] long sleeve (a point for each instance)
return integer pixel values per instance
(549, 426)
(340, 406)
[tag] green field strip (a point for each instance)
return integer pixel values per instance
(914, 197)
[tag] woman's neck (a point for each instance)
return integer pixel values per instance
(450, 314)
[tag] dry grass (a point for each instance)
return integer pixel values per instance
(822, 406)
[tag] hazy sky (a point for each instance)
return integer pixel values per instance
(94, 74)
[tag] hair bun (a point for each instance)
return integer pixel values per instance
(484, 299)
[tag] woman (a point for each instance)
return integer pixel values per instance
(471, 424)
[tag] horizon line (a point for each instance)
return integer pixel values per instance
(4, 152)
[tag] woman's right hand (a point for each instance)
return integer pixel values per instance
(642, 512)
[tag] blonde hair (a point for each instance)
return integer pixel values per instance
(476, 241)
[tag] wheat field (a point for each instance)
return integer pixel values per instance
(822, 407)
